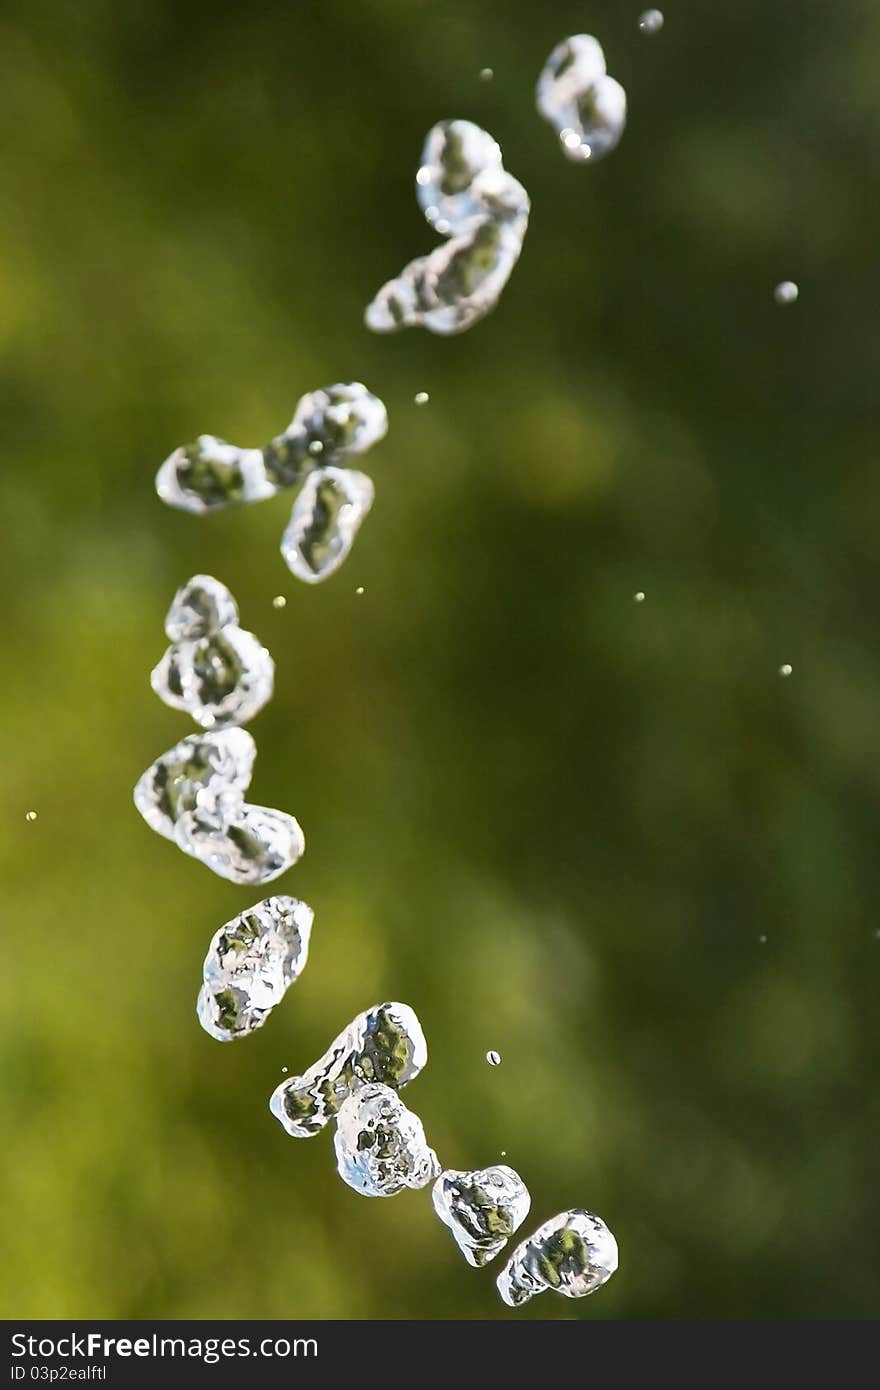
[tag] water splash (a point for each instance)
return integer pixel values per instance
(380, 1146)
(251, 963)
(383, 1044)
(466, 195)
(573, 1253)
(214, 670)
(482, 1209)
(576, 95)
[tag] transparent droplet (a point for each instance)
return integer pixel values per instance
(763, 940)
(576, 95)
(214, 767)
(785, 670)
(482, 1209)
(573, 1253)
(493, 1058)
(639, 597)
(651, 22)
(340, 420)
(279, 601)
(421, 398)
(786, 292)
(220, 674)
(316, 447)
(285, 1070)
(251, 963)
(359, 589)
(325, 519)
(210, 474)
(248, 845)
(466, 194)
(30, 815)
(486, 74)
(380, 1145)
(384, 1044)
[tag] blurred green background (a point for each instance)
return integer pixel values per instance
(603, 837)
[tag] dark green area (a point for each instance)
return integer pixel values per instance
(603, 837)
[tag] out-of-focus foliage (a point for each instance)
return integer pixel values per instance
(602, 837)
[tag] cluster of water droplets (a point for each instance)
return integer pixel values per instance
(251, 963)
(214, 670)
(194, 794)
(469, 197)
(329, 426)
(576, 95)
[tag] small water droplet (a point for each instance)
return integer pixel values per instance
(785, 670)
(421, 398)
(570, 139)
(639, 597)
(316, 447)
(486, 74)
(279, 601)
(786, 292)
(31, 815)
(423, 177)
(359, 589)
(651, 22)
(504, 1151)
(763, 940)
(493, 1058)
(284, 1070)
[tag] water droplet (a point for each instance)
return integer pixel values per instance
(251, 963)
(384, 1044)
(30, 815)
(279, 601)
(639, 597)
(465, 194)
(573, 1253)
(503, 1153)
(651, 22)
(576, 95)
(359, 589)
(214, 670)
(486, 74)
(763, 940)
(194, 795)
(785, 670)
(285, 1070)
(380, 1146)
(482, 1209)
(421, 398)
(316, 447)
(493, 1058)
(325, 519)
(786, 292)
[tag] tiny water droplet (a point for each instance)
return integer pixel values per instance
(279, 601)
(785, 670)
(639, 597)
(421, 398)
(786, 292)
(763, 940)
(651, 22)
(284, 1070)
(486, 74)
(31, 815)
(359, 589)
(504, 1151)
(493, 1058)
(423, 177)
(316, 447)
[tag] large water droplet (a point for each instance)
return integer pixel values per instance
(576, 95)
(573, 1253)
(324, 522)
(482, 1209)
(251, 963)
(380, 1146)
(384, 1044)
(214, 670)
